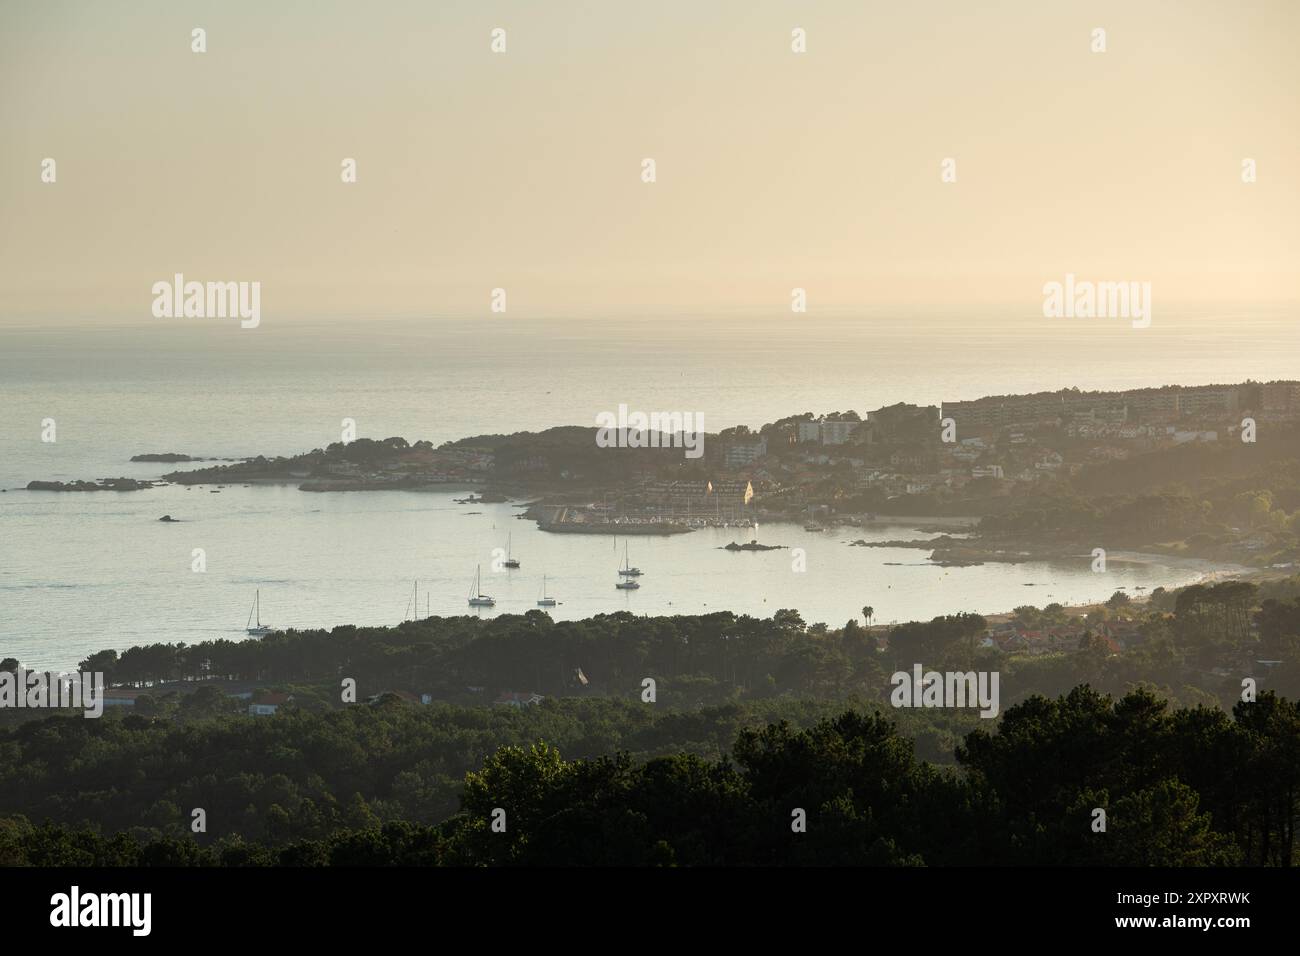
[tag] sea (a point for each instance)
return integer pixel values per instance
(80, 572)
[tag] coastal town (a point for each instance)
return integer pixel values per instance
(1052, 466)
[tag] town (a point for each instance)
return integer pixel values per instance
(1052, 464)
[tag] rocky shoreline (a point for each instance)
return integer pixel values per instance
(104, 484)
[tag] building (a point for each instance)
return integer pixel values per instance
(121, 696)
(403, 695)
(1183, 437)
(810, 431)
(745, 453)
(1280, 400)
(1154, 404)
(828, 431)
(268, 704)
(1210, 401)
(1158, 405)
(911, 458)
(903, 421)
(512, 699)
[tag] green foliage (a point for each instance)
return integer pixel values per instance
(1191, 787)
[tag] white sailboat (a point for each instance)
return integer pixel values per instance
(413, 605)
(627, 570)
(260, 629)
(545, 601)
(510, 561)
(812, 525)
(476, 597)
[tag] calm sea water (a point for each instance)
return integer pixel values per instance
(79, 572)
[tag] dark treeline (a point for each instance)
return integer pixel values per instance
(529, 652)
(304, 775)
(1185, 787)
(1194, 645)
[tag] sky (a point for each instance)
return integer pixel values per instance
(522, 170)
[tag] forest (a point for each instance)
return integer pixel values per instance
(753, 720)
(1078, 779)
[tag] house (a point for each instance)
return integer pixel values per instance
(404, 695)
(120, 697)
(268, 704)
(1111, 644)
(1124, 634)
(512, 699)
(1029, 642)
(1011, 643)
(1060, 638)
(1183, 437)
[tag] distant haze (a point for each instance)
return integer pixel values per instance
(522, 170)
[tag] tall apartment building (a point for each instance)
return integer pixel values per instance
(1149, 405)
(828, 432)
(745, 453)
(1280, 399)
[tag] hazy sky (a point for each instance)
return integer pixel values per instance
(523, 170)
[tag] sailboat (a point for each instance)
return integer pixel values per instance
(413, 605)
(260, 629)
(510, 562)
(627, 570)
(812, 525)
(476, 597)
(545, 601)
